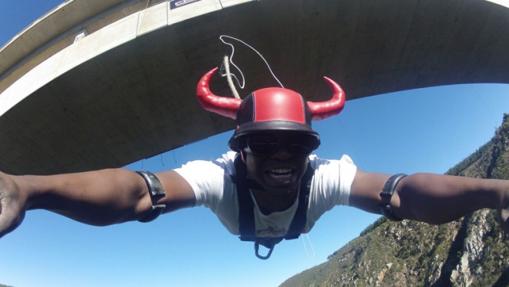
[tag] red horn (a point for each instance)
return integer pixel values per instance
(322, 110)
(224, 106)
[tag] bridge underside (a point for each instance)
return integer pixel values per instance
(137, 100)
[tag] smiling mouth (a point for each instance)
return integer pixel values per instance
(280, 172)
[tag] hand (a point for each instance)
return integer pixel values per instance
(12, 204)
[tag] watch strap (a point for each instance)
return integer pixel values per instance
(386, 195)
(156, 192)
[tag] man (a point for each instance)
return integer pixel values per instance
(268, 188)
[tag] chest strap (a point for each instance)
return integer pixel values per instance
(246, 210)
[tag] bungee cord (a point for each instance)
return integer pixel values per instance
(226, 66)
(229, 61)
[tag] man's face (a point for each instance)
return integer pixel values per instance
(277, 160)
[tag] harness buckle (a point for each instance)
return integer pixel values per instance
(257, 251)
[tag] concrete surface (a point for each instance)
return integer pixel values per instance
(126, 91)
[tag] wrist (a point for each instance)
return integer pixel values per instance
(30, 190)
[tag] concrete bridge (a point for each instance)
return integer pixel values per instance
(97, 84)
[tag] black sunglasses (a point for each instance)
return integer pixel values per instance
(267, 144)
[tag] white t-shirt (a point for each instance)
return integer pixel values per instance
(213, 187)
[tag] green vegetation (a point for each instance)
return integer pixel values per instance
(471, 251)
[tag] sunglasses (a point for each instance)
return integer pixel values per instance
(268, 144)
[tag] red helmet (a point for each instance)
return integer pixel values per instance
(269, 109)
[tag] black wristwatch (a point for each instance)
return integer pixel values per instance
(386, 195)
(156, 192)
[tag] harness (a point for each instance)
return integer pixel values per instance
(246, 210)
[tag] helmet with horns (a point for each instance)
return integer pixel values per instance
(269, 109)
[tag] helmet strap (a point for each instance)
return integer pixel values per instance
(242, 155)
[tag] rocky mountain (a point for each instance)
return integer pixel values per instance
(468, 252)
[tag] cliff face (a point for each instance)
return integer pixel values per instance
(468, 252)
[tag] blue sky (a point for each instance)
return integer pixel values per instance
(420, 130)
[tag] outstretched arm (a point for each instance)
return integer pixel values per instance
(100, 197)
(430, 198)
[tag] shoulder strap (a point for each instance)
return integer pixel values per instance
(300, 217)
(246, 215)
(246, 212)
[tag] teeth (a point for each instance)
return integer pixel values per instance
(281, 171)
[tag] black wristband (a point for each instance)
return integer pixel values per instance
(386, 195)
(156, 192)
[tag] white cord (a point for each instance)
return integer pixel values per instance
(241, 85)
(221, 38)
(308, 246)
(229, 77)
